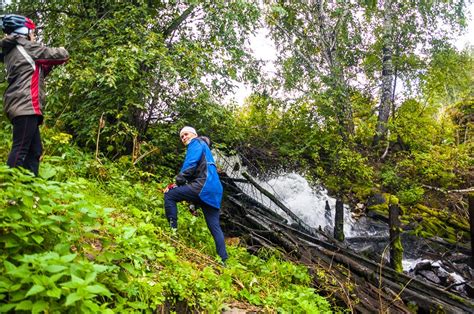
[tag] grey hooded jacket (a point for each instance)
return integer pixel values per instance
(27, 65)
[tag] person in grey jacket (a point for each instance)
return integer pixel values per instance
(27, 63)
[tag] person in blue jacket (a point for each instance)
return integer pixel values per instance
(197, 182)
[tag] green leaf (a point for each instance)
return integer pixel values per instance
(9, 266)
(90, 277)
(75, 282)
(54, 293)
(72, 298)
(15, 287)
(35, 290)
(100, 268)
(38, 239)
(55, 268)
(56, 277)
(68, 258)
(20, 272)
(39, 306)
(24, 305)
(129, 232)
(129, 267)
(5, 282)
(97, 289)
(47, 171)
(4, 308)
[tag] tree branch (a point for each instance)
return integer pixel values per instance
(468, 190)
(177, 22)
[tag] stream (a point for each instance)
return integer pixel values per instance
(422, 259)
(365, 235)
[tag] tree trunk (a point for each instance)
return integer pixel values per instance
(337, 81)
(387, 75)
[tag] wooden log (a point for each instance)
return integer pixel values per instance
(345, 264)
(417, 290)
(396, 249)
(471, 220)
(365, 301)
(339, 221)
(408, 291)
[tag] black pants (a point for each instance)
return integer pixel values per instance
(211, 214)
(26, 148)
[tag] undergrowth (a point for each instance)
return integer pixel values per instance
(89, 236)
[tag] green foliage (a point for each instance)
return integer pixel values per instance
(40, 223)
(449, 77)
(5, 136)
(396, 180)
(291, 136)
(142, 62)
(96, 240)
(416, 125)
(411, 195)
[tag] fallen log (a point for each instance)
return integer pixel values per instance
(378, 288)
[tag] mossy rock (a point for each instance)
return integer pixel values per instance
(393, 200)
(380, 208)
(363, 193)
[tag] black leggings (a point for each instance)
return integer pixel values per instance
(26, 148)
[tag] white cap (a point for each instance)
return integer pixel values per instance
(188, 129)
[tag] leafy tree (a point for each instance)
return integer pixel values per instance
(139, 63)
(448, 78)
(313, 40)
(399, 30)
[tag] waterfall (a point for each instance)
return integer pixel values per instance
(293, 190)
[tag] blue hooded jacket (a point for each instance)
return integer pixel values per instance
(199, 171)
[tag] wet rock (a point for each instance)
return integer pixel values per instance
(423, 266)
(443, 276)
(429, 275)
(459, 258)
(327, 212)
(470, 289)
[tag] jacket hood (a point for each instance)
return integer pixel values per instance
(205, 139)
(9, 42)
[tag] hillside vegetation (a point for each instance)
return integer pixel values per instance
(92, 237)
(367, 98)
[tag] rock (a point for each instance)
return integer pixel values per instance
(423, 266)
(470, 289)
(234, 311)
(429, 275)
(443, 276)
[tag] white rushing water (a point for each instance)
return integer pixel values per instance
(307, 203)
(294, 191)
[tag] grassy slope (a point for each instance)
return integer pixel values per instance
(88, 237)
